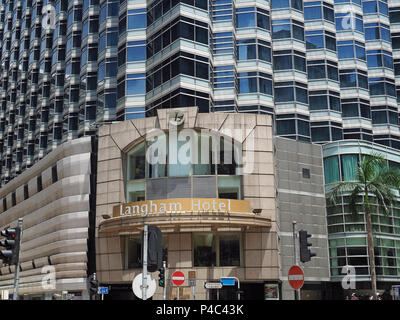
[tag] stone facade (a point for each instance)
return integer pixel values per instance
(260, 244)
(301, 198)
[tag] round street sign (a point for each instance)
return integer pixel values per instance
(137, 286)
(296, 277)
(178, 278)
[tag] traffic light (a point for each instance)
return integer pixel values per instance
(161, 275)
(93, 284)
(11, 244)
(305, 253)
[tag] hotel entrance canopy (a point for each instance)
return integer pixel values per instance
(184, 215)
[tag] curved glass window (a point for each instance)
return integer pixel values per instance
(252, 17)
(331, 169)
(349, 166)
(136, 162)
(183, 164)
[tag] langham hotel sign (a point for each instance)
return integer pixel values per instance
(181, 205)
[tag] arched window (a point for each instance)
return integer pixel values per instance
(201, 164)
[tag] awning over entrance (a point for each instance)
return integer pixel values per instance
(184, 215)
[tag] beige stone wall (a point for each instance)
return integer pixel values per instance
(55, 220)
(260, 245)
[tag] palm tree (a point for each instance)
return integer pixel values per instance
(375, 182)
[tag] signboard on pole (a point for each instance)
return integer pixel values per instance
(102, 290)
(212, 285)
(192, 278)
(178, 278)
(228, 281)
(137, 286)
(296, 277)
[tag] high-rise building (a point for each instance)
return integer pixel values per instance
(323, 70)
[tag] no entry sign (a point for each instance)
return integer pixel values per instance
(296, 277)
(178, 278)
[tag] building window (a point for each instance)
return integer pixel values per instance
(316, 11)
(214, 250)
(135, 191)
(306, 173)
(215, 160)
(135, 51)
(331, 169)
(190, 154)
(136, 162)
(136, 19)
(229, 187)
(133, 251)
(135, 84)
(26, 192)
(287, 29)
(54, 176)
(39, 183)
(349, 164)
(13, 199)
(252, 17)
(355, 23)
(204, 248)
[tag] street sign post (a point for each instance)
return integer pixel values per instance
(178, 278)
(192, 281)
(212, 285)
(137, 286)
(296, 277)
(230, 281)
(102, 291)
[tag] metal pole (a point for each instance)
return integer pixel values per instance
(177, 293)
(238, 288)
(165, 280)
(16, 276)
(144, 279)
(94, 294)
(295, 258)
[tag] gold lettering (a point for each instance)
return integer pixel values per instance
(178, 205)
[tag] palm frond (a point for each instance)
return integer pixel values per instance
(371, 166)
(340, 189)
(389, 177)
(357, 191)
(384, 195)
